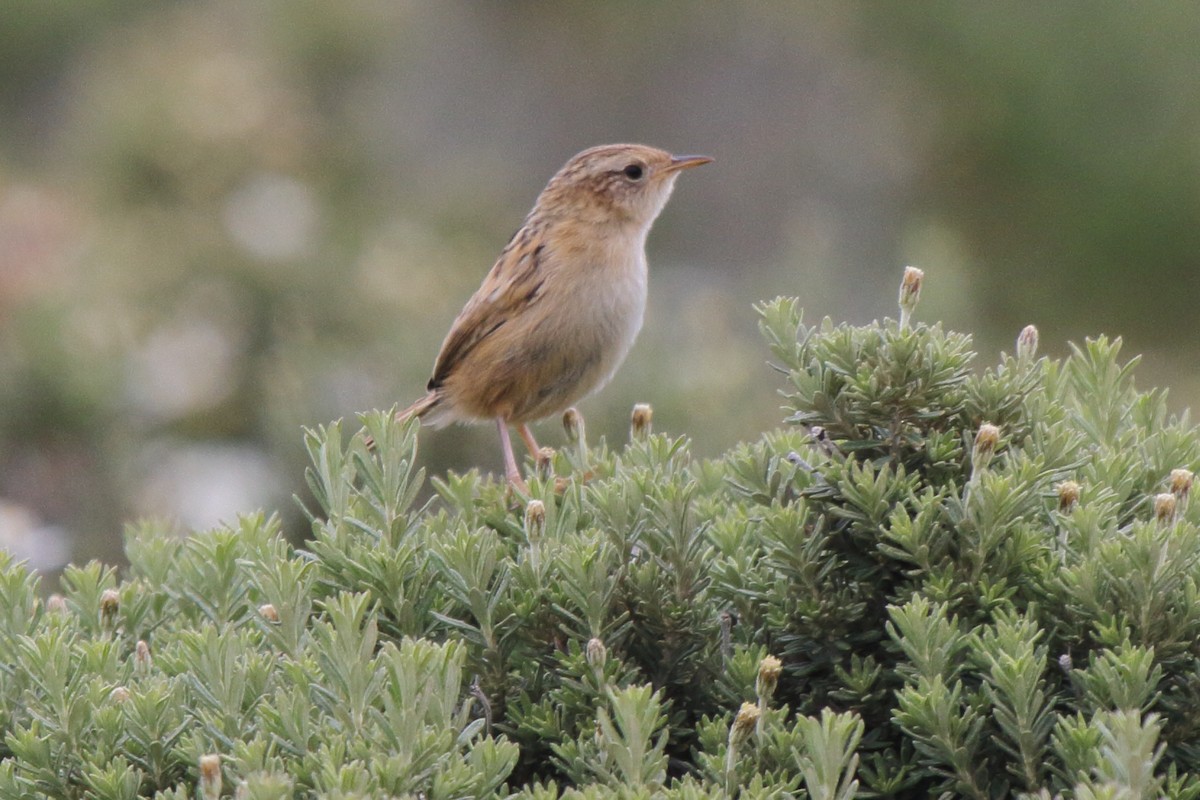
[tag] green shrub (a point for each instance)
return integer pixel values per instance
(939, 580)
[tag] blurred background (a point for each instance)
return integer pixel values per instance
(222, 221)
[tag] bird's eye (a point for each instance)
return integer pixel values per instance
(633, 172)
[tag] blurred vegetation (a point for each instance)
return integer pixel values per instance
(221, 221)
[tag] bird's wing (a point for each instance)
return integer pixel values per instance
(512, 285)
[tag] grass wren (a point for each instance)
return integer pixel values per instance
(561, 306)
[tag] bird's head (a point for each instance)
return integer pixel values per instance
(618, 183)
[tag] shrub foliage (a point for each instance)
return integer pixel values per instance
(938, 579)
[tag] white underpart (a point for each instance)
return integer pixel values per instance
(619, 309)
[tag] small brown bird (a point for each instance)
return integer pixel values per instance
(562, 305)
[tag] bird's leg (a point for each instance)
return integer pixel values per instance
(530, 442)
(510, 463)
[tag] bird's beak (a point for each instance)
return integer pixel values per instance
(687, 162)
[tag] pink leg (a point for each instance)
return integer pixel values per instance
(530, 442)
(510, 463)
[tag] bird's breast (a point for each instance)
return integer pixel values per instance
(609, 306)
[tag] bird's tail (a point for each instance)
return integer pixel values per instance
(418, 409)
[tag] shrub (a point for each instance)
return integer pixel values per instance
(939, 579)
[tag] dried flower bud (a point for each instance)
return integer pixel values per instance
(110, 604)
(597, 653)
(573, 424)
(142, 660)
(56, 604)
(641, 421)
(545, 462)
(1181, 484)
(118, 695)
(210, 776)
(1027, 343)
(823, 442)
(577, 435)
(910, 292)
(743, 725)
(797, 460)
(1164, 507)
(768, 678)
(535, 520)
(268, 612)
(1068, 496)
(1065, 663)
(985, 447)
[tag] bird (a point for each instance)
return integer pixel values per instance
(560, 308)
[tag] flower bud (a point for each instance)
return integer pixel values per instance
(1181, 484)
(268, 612)
(824, 442)
(743, 725)
(768, 678)
(910, 293)
(56, 604)
(640, 422)
(597, 653)
(1065, 663)
(142, 660)
(1068, 496)
(535, 520)
(1027, 343)
(573, 425)
(545, 462)
(985, 447)
(210, 776)
(797, 460)
(1164, 507)
(118, 695)
(110, 604)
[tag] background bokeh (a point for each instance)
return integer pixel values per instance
(221, 221)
